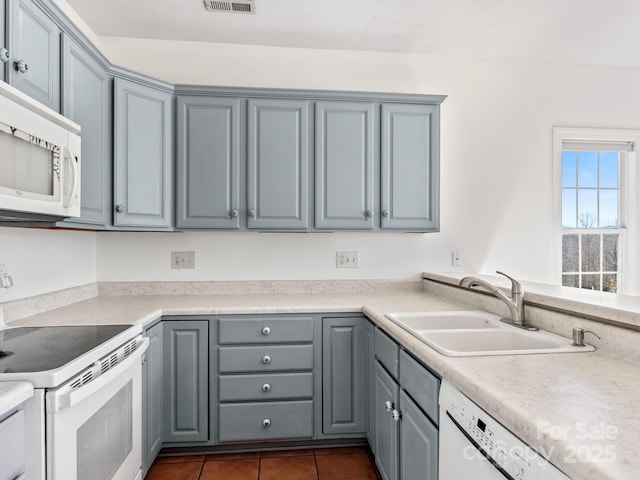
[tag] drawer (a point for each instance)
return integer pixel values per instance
(273, 386)
(421, 384)
(241, 422)
(12, 446)
(265, 358)
(265, 329)
(386, 351)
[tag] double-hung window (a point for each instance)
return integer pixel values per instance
(596, 212)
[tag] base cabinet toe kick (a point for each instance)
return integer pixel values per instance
(214, 383)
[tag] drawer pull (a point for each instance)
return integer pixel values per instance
(266, 359)
(266, 423)
(266, 331)
(266, 387)
(388, 406)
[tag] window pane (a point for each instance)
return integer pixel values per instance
(609, 169)
(570, 253)
(608, 217)
(569, 168)
(569, 207)
(591, 282)
(590, 253)
(587, 169)
(610, 253)
(610, 283)
(570, 281)
(587, 208)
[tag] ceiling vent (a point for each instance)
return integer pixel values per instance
(236, 6)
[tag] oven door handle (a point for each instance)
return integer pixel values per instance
(66, 396)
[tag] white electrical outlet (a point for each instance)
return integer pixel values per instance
(183, 260)
(456, 259)
(347, 260)
(6, 284)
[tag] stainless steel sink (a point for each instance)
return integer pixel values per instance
(475, 333)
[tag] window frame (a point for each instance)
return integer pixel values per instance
(629, 208)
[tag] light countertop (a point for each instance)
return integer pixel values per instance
(558, 403)
(13, 394)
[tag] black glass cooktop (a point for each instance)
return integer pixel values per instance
(37, 349)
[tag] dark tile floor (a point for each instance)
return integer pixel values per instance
(354, 463)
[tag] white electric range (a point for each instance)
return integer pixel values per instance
(84, 420)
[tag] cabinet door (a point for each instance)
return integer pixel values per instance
(35, 53)
(143, 156)
(345, 162)
(419, 440)
(279, 157)
(410, 167)
(369, 383)
(4, 51)
(186, 354)
(87, 101)
(343, 375)
(387, 446)
(152, 396)
(208, 169)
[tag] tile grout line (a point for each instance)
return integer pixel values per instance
(202, 467)
(315, 462)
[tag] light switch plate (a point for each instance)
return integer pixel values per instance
(183, 260)
(347, 260)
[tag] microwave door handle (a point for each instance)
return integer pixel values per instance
(71, 158)
(65, 397)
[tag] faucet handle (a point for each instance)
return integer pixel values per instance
(516, 286)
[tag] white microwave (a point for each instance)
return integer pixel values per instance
(39, 160)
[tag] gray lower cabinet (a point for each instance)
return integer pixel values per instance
(410, 167)
(152, 397)
(87, 100)
(186, 380)
(278, 164)
(343, 380)
(34, 48)
(369, 382)
(209, 133)
(143, 162)
(4, 51)
(346, 154)
(419, 442)
(387, 435)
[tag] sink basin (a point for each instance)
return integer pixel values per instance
(444, 320)
(475, 333)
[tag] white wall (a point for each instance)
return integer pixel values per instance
(496, 159)
(42, 261)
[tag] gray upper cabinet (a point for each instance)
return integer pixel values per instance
(278, 163)
(410, 167)
(343, 381)
(208, 163)
(34, 50)
(186, 366)
(87, 101)
(143, 163)
(4, 51)
(346, 155)
(152, 397)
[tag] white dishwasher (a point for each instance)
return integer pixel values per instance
(475, 446)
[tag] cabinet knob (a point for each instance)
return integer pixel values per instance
(233, 213)
(385, 213)
(369, 213)
(266, 423)
(266, 359)
(388, 406)
(252, 212)
(21, 66)
(266, 331)
(266, 387)
(4, 55)
(119, 208)
(396, 415)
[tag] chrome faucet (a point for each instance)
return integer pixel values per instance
(514, 302)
